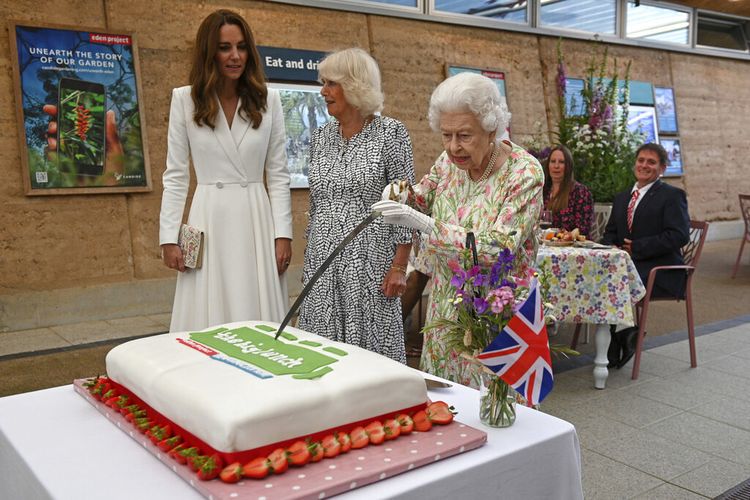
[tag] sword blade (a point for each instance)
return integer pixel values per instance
(306, 290)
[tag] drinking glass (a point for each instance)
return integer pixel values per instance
(545, 219)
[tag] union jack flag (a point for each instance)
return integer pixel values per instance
(520, 352)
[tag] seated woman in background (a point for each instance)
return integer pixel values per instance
(570, 202)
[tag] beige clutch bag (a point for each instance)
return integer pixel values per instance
(191, 242)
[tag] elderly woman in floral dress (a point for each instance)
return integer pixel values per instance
(479, 184)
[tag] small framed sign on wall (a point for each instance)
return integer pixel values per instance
(666, 113)
(674, 156)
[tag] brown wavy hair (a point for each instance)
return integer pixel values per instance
(559, 202)
(205, 76)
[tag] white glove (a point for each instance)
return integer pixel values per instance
(403, 215)
(394, 188)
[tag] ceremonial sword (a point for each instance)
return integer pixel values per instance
(349, 237)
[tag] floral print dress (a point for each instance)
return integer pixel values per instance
(578, 214)
(510, 200)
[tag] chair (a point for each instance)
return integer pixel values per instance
(691, 253)
(745, 209)
(602, 212)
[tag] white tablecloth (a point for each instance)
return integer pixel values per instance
(53, 444)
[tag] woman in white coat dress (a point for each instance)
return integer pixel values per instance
(233, 127)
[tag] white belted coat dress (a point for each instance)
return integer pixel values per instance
(241, 219)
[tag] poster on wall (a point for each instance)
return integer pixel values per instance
(496, 76)
(304, 111)
(642, 119)
(77, 102)
(674, 157)
(666, 113)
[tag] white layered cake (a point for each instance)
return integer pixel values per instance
(237, 389)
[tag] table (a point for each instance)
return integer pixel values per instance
(54, 444)
(596, 286)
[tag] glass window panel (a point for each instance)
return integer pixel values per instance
(505, 10)
(404, 3)
(595, 16)
(721, 33)
(658, 23)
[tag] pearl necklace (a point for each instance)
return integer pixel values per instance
(490, 165)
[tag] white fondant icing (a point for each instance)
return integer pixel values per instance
(232, 410)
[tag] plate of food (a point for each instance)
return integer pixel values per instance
(559, 243)
(563, 238)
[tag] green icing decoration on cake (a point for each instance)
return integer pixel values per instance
(263, 351)
(215, 330)
(267, 328)
(316, 374)
(310, 343)
(335, 350)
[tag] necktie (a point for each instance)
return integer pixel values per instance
(631, 208)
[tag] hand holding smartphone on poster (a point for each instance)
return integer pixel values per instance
(84, 136)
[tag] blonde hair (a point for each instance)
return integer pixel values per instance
(359, 76)
(469, 92)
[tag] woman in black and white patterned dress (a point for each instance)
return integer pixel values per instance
(352, 159)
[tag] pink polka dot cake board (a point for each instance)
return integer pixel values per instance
(326, 478)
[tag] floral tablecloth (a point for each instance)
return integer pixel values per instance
(592, 285)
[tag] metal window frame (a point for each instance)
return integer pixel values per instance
(728, 19)
(563, 30)
(425, 11)
(433, 13)
(692, 19)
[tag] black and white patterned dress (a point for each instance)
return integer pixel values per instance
(346, 177)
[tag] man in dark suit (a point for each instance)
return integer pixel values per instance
(651, 223)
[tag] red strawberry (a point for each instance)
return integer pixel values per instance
(112, 402)
(392, 429)
(90, 383)
(359, 438)
(143, 424)
(277, 460)
(100, 387)
(110, 394)
(439, 403)
(375, 432)
(169, 443)
(210, 468)
(184, 454)
(258, 468)
(345, 441)
(298, 454)
(406, 423)
(175, 453)
(422, 422)
(137, 414)
(196, 461)
(231, 473)
(331, 446)
(125, 410)
(159, 433)
(439, 413)
(316, 451)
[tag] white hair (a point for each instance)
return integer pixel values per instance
(470, 92)
(358, 74)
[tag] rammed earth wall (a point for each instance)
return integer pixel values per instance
(66, 259)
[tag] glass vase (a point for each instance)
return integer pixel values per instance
(497, 401)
